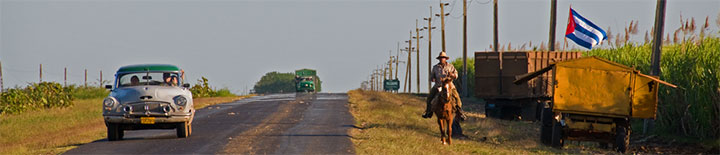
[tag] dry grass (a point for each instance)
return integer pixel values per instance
(391, 124)
(56, 130)
(52, 131)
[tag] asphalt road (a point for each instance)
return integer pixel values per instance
(272, 124)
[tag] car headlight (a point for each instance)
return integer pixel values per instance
(109, 102)
(180, 100)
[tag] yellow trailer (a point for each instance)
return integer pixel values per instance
(593, 99)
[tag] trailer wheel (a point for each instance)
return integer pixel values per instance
(546, 126)
(622, 138)
(557, 140)
(491, 110)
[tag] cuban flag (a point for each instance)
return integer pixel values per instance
(584, 32)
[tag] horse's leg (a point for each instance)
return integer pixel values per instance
(449, 129)
(442, 134)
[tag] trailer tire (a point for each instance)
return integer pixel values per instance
(491, 110)
(622, 138)
(546, 126)
(557, 140)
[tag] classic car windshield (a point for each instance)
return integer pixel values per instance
(151, 78)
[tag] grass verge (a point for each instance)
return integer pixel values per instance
(56, 130)
(388, 123)
(391, 124)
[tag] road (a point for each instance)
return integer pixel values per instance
(271, 124)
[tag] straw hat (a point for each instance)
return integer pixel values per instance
(442, 55)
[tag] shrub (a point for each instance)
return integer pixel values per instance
(87, 92)
(457, 63)
(36, 95)
(203, 89)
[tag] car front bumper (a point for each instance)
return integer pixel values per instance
(126, 119)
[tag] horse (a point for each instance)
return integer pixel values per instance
(443, 109)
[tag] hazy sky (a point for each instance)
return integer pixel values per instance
(233, 43)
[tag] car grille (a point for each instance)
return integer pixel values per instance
(148, 107)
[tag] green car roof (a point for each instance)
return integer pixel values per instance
(148, 67)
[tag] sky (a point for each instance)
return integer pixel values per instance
(234, 43)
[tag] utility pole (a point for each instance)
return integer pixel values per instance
(429, 28)
(465, 71)
(657, 47)
(495, 26)
(417, 60)
(1, 79)
(442, 23)
(408, 75)
(385, 70)
(495, 44)
(551, 40)
(377, 78)
(397, 60)
(381, 80)
(101, 81)
(390, 63)
(65, 77)
(372, 80)
(40, 73)
(85, 78)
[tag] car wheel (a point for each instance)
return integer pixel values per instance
(622, 138)
(113, 132)
(182, 130)
(121, 131)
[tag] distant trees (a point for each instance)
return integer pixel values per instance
(275, 82)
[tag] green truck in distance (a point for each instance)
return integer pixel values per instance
(306, 80)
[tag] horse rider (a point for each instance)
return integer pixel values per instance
(441, 72)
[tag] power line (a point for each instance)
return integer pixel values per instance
(488, 2)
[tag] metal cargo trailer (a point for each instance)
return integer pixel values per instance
(494, 82)
(593, 100)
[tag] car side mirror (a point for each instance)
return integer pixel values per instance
(187, 85)
(108, 86)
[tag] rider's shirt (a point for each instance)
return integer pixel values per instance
(442, 71)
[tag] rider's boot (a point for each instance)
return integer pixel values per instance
(428, 112)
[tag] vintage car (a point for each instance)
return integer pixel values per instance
(148, 96)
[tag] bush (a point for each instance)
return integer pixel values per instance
(223, 93)
(87, 92)
(693, 108)
(34, 96)
(203, 89)
(457, 63)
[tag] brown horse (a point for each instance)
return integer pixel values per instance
(443, 109)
